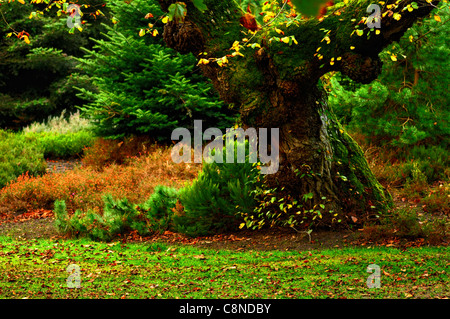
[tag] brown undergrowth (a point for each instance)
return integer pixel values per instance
(84, 187)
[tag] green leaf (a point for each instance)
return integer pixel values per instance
(177, 12)
(200, 5)
(308, 7)
(308, 196)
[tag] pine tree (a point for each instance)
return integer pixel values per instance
(35, 77)
(142, 87)
(408, 104)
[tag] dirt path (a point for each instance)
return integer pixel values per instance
(60, 166)
(279, 239)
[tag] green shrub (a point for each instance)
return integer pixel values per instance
(432, 161)
(160, 207)
(61, 216)
(62, 136)
(70, 144)
(19, 154)
(62, 124)
(119, 216)
(215, 201)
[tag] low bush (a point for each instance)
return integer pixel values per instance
(119, 216)
(160, 208)
(19, 154)
(420, 164)
(212, 202)
(62, 124)
(409, 224)
(63, 136)
(104, 152)
(437, 201)
(66, 145)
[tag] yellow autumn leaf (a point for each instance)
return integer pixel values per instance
(411, 38)
(203, 61)
(397, 16)
(155, 33)
(21, 1)
(165, 19)
(393, 57)
(285, 39)
(254, 45)
(377, 32)
(236, 53)
(437, 18)
(26, 39)
(279, 31)
(222, 61)
(352, 48)
(269, 16)
(235, 46)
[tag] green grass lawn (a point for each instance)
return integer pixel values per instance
(38, 269)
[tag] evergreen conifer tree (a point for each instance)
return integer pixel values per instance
(35, 77)
(408, 104)
(143, 87)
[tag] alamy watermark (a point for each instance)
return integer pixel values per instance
(236, 140)
(374, 20)
(74, 279)
(74, 18)
(374, 280)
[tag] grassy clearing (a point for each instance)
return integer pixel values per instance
(37, 269)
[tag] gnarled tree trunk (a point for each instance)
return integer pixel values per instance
(276, 86)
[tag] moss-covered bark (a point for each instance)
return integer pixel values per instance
(275, 85)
